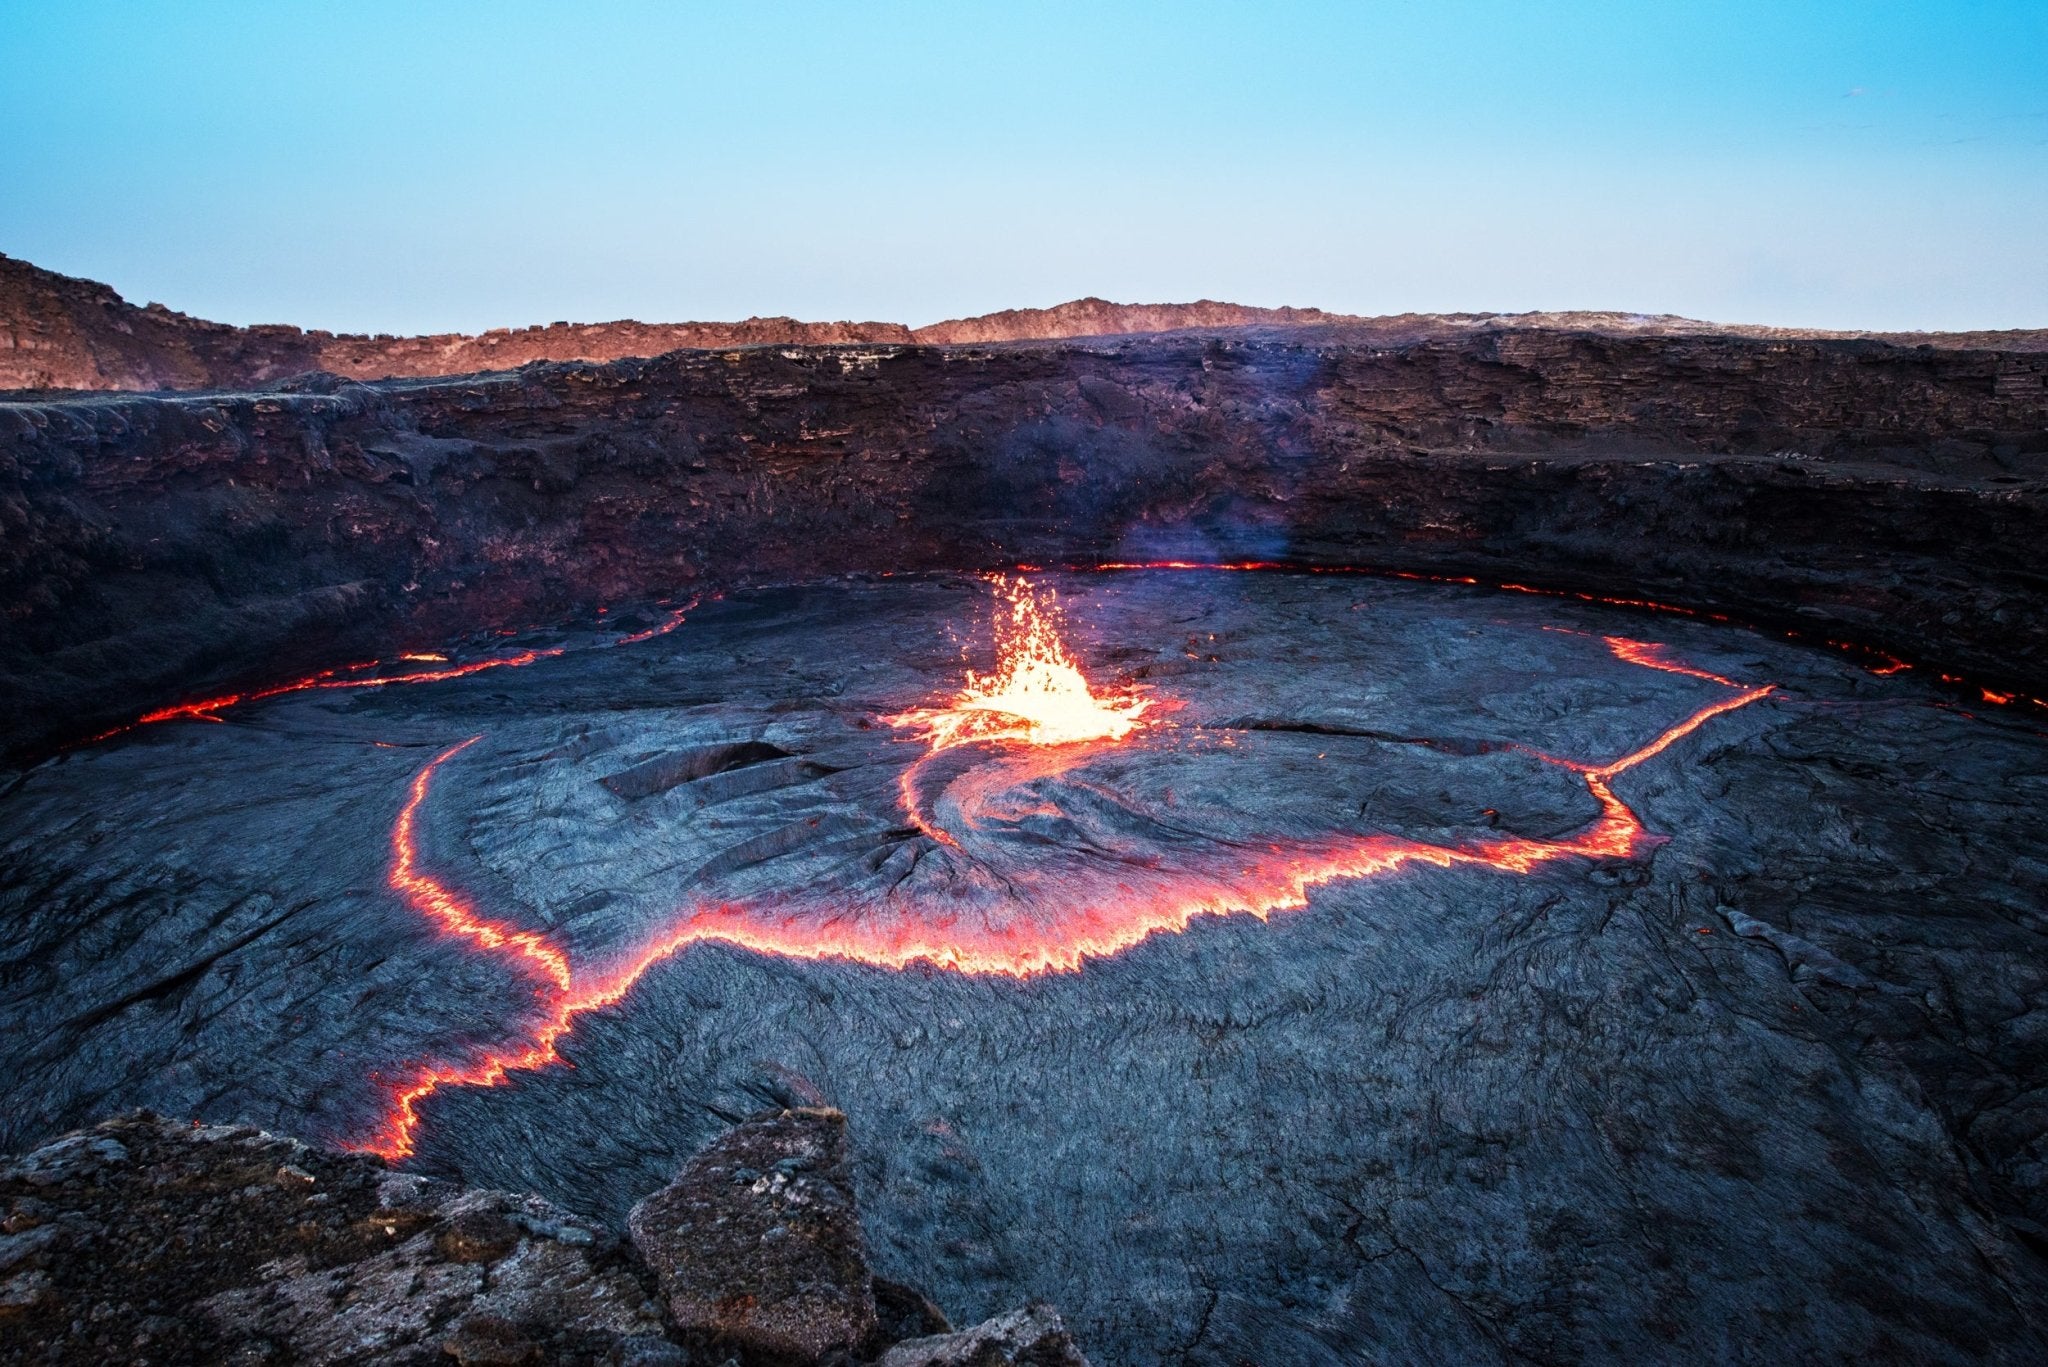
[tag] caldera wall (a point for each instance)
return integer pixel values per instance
(151, 546)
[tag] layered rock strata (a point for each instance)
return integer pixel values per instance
(154, 547)
(62, 333)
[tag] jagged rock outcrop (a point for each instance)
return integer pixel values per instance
(1093, 317)
(757, 1241)
(150, 1240)
(62, 333)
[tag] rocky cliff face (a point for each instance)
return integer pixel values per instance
(58, 333)
(158, 545)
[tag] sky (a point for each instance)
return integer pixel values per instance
(415, 167)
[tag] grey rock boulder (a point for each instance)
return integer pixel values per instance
(757, 1245)
(1032, 1337)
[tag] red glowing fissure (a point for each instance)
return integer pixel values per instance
(342, 677)
(1890, 663)
(348, 676)
(449, 909)
(667, 624)
(1284, 567)
(358, 676)
(1037, 678)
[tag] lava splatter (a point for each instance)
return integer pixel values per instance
(1037, 694)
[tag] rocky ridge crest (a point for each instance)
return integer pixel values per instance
(61, 333)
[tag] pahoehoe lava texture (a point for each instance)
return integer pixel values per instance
(1775, 1080)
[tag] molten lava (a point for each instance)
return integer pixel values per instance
(1651, 655)
(449, 909)
(1037, 697)
(1891, 665)
(345, 677)
(668, 623)
(363, 676)
(1037, 694)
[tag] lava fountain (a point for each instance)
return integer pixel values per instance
(1037, 694)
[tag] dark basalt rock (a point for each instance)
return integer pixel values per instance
(63, 333)
(1770, 1090)
(1032, 1337)
(1775, 1083)
(757, 1242)
(58, 332)
(904, 1312)
(150, 1240)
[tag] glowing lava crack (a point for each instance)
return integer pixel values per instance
(1035, 717)
(359, 677)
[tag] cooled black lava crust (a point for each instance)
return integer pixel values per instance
(1777, 1079)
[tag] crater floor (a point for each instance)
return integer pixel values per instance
(1437, 974)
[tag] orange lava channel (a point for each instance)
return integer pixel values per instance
(357, 676)
(1276, 879)
(668, 623)
(347, 676)
(449, 909)
(1653, 656)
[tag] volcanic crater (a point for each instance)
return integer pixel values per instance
(1396, 942)
(1289, 845)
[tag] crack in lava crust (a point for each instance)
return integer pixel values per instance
(449, 909)
(356, 677)
(1146, 899)
(348, 677)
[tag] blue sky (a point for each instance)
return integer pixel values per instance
(413, 167)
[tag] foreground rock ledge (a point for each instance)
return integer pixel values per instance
(147, 1240)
